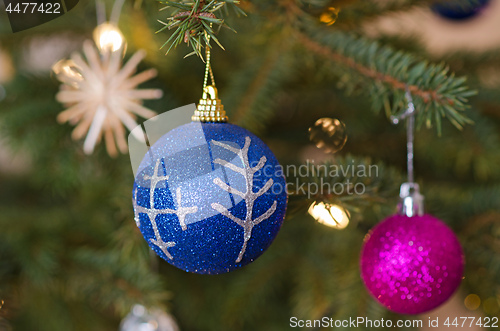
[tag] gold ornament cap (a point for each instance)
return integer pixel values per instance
(210, 108)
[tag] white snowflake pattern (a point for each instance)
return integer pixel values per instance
(249, 196)
(152, 212)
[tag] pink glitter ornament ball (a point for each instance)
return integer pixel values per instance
(411, 264)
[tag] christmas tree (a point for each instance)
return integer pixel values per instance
(318, 81)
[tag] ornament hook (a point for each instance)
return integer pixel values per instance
(210, 108)
(411, 201)
(210, 92)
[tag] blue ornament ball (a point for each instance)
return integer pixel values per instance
(459, 10)
(209, 197)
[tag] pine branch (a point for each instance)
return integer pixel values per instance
(193, 23)
(255, 87)
(472, 155)
(459, 205)
(482, 239)
(253, 92)
(354, 13)
(436, 92)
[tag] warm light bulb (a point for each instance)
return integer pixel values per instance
(329, 16)
(6, 67)
(329, 215)
(108, 37)
(472, 302)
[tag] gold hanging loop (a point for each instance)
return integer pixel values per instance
(210, 108)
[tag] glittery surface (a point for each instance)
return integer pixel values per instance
(218, 201)
(411, 264)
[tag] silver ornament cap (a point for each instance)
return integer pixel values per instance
(411, 202)
(142, 319)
